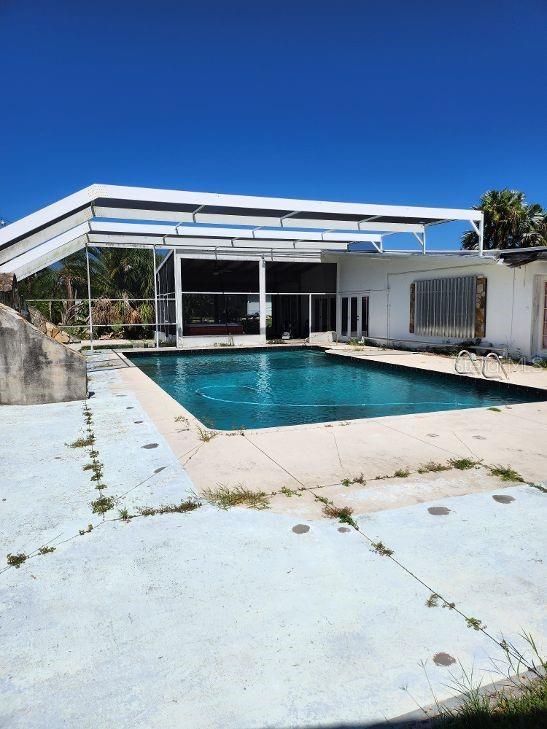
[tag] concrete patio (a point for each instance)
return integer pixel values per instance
(233, 618)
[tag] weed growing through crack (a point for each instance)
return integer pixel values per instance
(463, 464)
(506, 474)
(124, 514)
(360, 479)
(46, 550)
(181, 419)
(475, 623)
(16, 560)
(401, 473)
(82, 442)
(432, 601)
(380, 548)
(346, 482)
(433, 467)
(342, 513)
(182, 508)
(102, 504)
(88, 529)
(495, 410)
(225, 497)
(286, 491)
(206, 435)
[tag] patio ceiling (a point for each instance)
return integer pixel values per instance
(274, 226)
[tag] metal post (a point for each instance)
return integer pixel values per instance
(89, 298)
(177, 262)
(262, 297)
(481, 235)
(156, 335)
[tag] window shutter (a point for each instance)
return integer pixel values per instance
(480, 307)
(412, 307)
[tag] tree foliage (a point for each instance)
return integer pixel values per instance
(509, 222)
(120, 279)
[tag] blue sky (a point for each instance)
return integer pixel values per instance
(426, 103)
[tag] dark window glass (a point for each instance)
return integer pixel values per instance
(285, 278)
(219, 276)
(344, 316)
(219, 314)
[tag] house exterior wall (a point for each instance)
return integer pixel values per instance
(513, 296)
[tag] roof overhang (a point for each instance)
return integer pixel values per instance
(205, 222)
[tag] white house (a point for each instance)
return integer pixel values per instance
(248, 269)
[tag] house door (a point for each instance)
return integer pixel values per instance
(354, 310)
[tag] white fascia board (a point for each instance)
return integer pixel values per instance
(233, 255)
(143, 194)
(24, 269)
(108, 228)
(128, 228)
(36, 239)
(133, 214)
(226, 220)
(49, 246)
(353, 237)
(120, 239)
(146, 241)
(46, 215)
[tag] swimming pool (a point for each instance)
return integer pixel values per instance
(267, 388)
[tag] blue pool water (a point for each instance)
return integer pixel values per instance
(266, 388)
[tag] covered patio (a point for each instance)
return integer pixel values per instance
(236, 266)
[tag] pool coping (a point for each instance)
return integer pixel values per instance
(343, 354)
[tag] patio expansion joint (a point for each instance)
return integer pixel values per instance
(420, 440)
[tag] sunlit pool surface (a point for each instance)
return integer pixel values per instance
(267, 388)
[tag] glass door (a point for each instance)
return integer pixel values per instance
(354, 320)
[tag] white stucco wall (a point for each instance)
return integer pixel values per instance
(513, 295)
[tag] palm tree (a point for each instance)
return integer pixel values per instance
(509, 222)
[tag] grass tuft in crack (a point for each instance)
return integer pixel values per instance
(380, 548)
(342, 513)
(433, 467)
(182, 508)
(401, 473)
(226, 498)
(463, 464)
(475, 623)
(102, 504)
(206, 435)
(286, 491)
(88, 529)
(16, 560)
(82, 442)
(433, 600)
(46, 550)
(506, 474)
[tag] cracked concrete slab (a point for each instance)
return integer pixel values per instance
(238, 618)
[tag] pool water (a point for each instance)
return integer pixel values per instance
(267, 388)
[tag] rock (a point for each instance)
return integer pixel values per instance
(62, 337)
(51, 330)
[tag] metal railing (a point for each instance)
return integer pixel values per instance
(465, 356)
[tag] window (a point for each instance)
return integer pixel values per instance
(447, 307)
